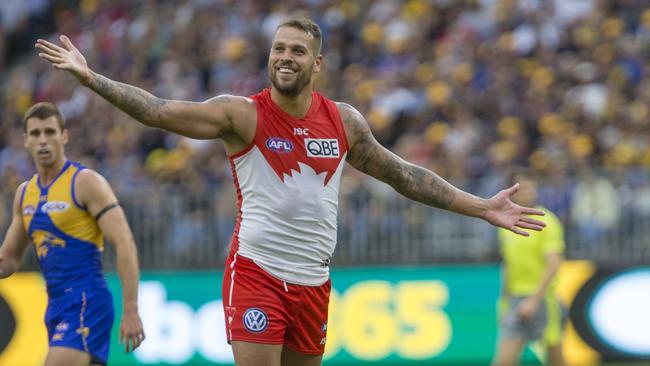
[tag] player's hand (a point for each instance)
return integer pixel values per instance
(66, 57)
(131, 331)
(509, 215)
(527, 309)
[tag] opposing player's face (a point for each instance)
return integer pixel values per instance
(44, 140)
(292, 61)
(527, 194)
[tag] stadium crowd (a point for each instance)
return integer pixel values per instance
(466, 88)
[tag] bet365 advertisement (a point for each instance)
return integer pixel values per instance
(392, 316)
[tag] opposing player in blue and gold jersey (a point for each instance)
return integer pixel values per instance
(66, 210)
(530, 311)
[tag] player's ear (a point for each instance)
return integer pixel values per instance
(65, 136)
(318, 62)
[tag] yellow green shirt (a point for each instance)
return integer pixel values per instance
(524, 257)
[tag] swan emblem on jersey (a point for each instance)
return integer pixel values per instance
(279, 145)
(255, 320)
(45, 241)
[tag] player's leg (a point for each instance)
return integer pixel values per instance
(79, 327)
(553, 333)
(514, 334)
(307, 333)
(295, 358)
(256, 354)
(509, 351)
(256, 318)
(555, 356)
(63, 356)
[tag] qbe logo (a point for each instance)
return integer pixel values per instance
(255, 320)
(322, 148)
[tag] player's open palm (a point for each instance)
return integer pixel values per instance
(131, 331)
(66, 57)
(507, 214)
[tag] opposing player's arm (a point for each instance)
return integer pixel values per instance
(94, 192)
(200, 120)
(423, 185)
(15, 241)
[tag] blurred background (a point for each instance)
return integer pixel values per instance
(467, 88)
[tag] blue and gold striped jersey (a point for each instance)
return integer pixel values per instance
(67, 239)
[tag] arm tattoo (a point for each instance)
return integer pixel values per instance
(412, 181)
(137, 103)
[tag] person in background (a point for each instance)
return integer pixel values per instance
(529, 309)
(66, 210)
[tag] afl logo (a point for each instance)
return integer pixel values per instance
(279, 145)
(255, 320)
(55, 206)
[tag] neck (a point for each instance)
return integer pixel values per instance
(48, 173)
(297, 106)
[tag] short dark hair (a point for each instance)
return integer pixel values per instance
(308, 26)
(43, 110)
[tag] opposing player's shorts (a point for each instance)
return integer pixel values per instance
(260, 308)
(82, 320)
(546, 325)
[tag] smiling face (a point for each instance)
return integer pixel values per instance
(44, 139)
(293, 60)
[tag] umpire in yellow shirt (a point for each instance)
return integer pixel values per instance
(529, 309)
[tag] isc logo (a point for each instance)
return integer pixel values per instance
(322, 148)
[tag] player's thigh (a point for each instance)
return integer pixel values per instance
(294, 358)
(509, 351)
(63, 356)
(256, 354)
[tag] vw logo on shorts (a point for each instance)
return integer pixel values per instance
(255, 320)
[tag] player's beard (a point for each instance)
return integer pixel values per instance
(303, 78)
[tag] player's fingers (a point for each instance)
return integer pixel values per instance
(532, 221)
(532, 211)
(53, 59)
(519, 231)
(41, 43)
(48, 51)
(67, 42)
(512, 190)
(526, 225)
(137, 342)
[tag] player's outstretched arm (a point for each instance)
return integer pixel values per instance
(96, 194)
(16, 240)
(423, 185)
(206, 120)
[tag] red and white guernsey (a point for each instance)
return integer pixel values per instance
(287, 184)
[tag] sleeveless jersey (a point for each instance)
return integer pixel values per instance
(67, 239)
(287, 185)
